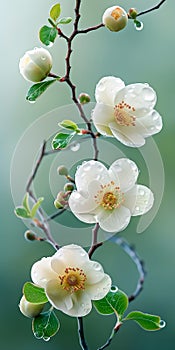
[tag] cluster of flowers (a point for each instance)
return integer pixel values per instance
(105, 196)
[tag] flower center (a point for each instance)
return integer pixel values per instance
(123, 116)
(109, 196)
(73, 279)
(116, 13)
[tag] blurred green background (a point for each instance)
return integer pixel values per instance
(145, 56)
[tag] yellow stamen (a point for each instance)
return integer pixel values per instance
(123, 116)
(73, 279)
(109, 197)
(117, 13)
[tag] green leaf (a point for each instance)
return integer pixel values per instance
(34, 294)
(115, 301)
(61, 140)
(47, 35)
(22, 213)
(146, 321)
(65, 20)
(26, 202)
(36, 206)
(37, 90)
(55, 11)
(69, 124)
(45, 325)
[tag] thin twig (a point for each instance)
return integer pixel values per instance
(113, 333)
(94, 244)
(137, 261)
(54, 215)
(82, 340)
(90, 29)
(151, 9)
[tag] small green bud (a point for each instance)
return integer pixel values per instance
(62, 170)
(132, 13)
(68, 187)
(30, 236)
(29, 309)
(57, 204)
(84, 98)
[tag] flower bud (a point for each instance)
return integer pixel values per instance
(30, 309)
(62, 170)
(84, 98)
(115, 18)
(57, 204)
(36, 64)
(133, 13)
(30, 236)
(68, 187)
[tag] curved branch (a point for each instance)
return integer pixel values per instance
(82, 340)
(151, 9)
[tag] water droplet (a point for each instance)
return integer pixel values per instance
(130, 89)
(82, 305)
(146, 84)
(138, 26)
(38, 335)
(83, 253)
(43, 58)
(114, 289)
(46, 338)
(50, 45)
(141, 192)
(75, 146)
(31, 101)
(151, 128)
(97, 266)
(155, 116)
(86, 167)
(148, 94)
(137, 208)
(44, 280)
(101, 86)
(162, 324)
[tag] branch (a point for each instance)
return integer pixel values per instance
(113, 333)
(90, 29)
(137, 261)
(82, 340)
(94, 244)
(151, 9)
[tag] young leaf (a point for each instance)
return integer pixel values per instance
(22, 213)
(26, 202)
(34, 294)
(115, 301)
(61, 140)
(146, 321)
(36, 206)
(55, 11)
(69, 124)
(45, 325)
(65, 20)
(37, 90)
(47, 35)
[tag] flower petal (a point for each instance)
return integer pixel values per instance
(126, 172)
(100, 289)
(87, 218)
(142, 202)
(151, 123)
(42, 272)
(107, 88)
(81, 204)
(140, 96)
(102, 115)
(88, 172)
(116, 221)
(70, 255)
(127, 135)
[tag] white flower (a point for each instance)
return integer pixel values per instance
(36, 64)
(30, 309)
(115, 18)
(109, 197)
(126, 112)
(71, 280)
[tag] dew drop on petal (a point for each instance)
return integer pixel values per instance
(155, 116)
(148, 94)
(101, 86)
(43, 58)
(83, 253)
(46, 338)
(97, 266)
(75, 146)
(141, 192)
(162, 324)
(137, 208)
